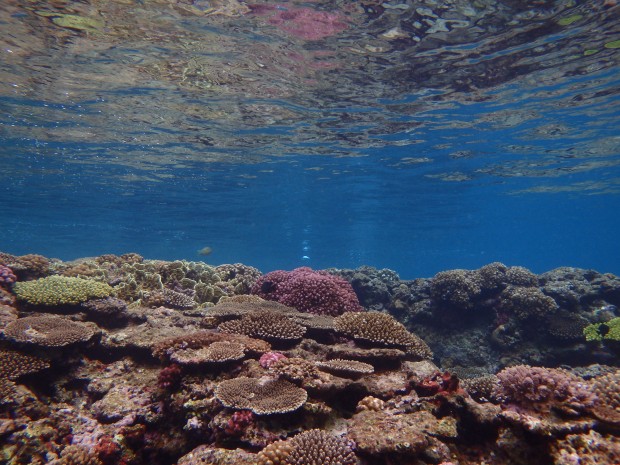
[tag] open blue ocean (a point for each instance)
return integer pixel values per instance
(415, 136)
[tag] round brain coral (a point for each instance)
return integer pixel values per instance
(60, 290)
(308, 291)
(48, 331)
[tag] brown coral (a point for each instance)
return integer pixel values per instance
(539, 388)
(77, 455)
(168, 298)
(49, 331)
(526, 302)
(264, 396)
(345, 368)
(14, 364)
(166, 348)
(265, 325)
(217, 352)
(7, 390)
(566, 326)
(295, 369)
(239, 306)
(311, 447)
(520, 276)
(586, 449)
(480, 388)
(456, 288)
(237, 278)
(26, 267)
(383, 330)
(606, 388)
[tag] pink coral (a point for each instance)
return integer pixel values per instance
(239, 422)
(269, 358)
(309, 291)
(304, 23)
(6, 276)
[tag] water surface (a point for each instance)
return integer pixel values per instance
(417, 136)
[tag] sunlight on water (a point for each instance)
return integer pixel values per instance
(332, 133)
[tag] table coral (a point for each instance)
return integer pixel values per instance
(14, 364)
(383, 330)
(49, 331)
(263, 397)
(265, 325)
(308, 291)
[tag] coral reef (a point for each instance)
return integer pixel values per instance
(251, 381)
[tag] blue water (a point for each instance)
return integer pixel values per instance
(393, 171)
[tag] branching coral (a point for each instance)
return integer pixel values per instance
(308, 290)
(311, 447)
(540, 389)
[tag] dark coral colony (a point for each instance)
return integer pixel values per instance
(124, 360)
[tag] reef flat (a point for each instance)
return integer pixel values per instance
(123, 360)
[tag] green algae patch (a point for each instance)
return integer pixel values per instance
(613, 44)
(80, 23)
(587, 53)
(609, 331)
(569, 20)
(60, 290)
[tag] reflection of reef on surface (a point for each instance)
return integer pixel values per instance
(495, 365)
(198, 77)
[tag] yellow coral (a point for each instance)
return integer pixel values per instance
(60, 290)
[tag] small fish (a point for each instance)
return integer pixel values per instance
(205, 251)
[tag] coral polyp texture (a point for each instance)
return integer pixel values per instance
(264, 325)
(540, 388)
(308, 448)
(179, 365)
(48, 331)
(346, 367)
(308, 290)
(14, 364)
(60, 290)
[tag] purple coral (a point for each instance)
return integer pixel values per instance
(540, 388)
(6, 276)
(308, 290)
(269, 358)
